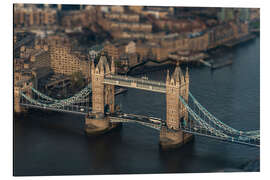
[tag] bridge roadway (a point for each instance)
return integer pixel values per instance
(74, 109)
(137, 83)
(151, 122)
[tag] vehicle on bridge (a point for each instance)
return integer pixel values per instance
(242, 138)
(155, 120)
(145, 78)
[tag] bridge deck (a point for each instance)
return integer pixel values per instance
(137, 83)
(64, 109)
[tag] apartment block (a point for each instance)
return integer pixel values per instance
(63, 61)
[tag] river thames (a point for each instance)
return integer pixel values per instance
(55, 143)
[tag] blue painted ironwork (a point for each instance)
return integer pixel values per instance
(200, 122)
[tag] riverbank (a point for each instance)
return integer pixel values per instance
(240, 40)
(212, 60)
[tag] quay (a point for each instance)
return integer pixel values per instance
(216, 65)
(240, 40)
(222, 64)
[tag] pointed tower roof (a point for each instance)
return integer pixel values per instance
(168, 76)
(112, 66)
(187, 75)
(177, 73)
(103, 63)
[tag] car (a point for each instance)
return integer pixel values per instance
(82, 109)
(243, 138)
(145, 78)
(155, 120)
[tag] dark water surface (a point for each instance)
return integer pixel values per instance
(55, 144)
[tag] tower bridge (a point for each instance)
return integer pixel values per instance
(185, 116)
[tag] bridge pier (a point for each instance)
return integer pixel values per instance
(17, 107)
(97, 123)
(169, 139)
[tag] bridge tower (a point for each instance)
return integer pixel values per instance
(17, 106)
(102, 97)
(23, 87)
(177, 84)
(110, 91)
(97, 74)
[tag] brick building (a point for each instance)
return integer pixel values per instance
(63, 61)
(112, 25)
(40, 59)
(116, 49)
(82, 18)
(122, 17)
(32, 16)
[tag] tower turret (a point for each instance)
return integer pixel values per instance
(92, 67)
(107, 68)
(187, 76)
(168, 77)
(112, 66)
(177, 75)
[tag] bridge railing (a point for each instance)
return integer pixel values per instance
(126, 120)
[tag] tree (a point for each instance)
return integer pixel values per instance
(77, 80)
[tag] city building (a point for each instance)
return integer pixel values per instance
(63, 61)
(119, 47)
(128, 17)
(33, 16)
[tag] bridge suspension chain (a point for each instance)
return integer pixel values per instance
(251, 140)
(81, 94)
(202, 122)
(78, 97)
(59, 104)
(220, 124)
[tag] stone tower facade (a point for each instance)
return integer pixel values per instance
(176, 85)
(110, 91)
(97, 122)
(24, 87)
(176, 114)
(102, 94)
(17, 107)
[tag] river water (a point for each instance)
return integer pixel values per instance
(49, 143)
